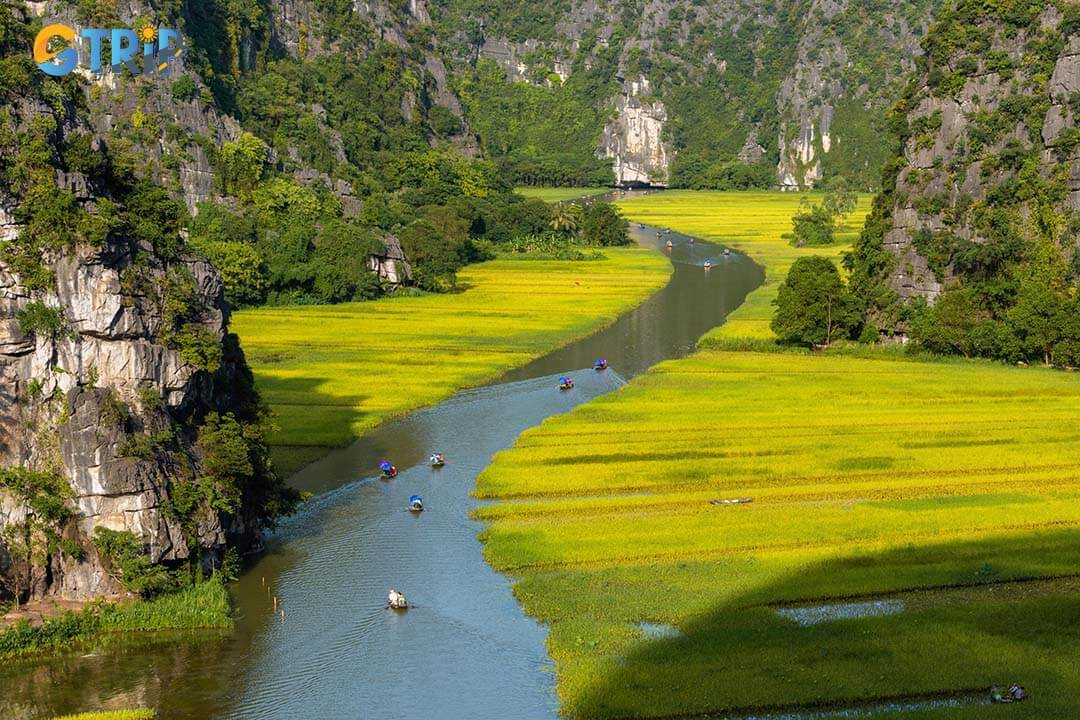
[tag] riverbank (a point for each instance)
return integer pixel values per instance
(750, 533)
(753, 223)
(332, 373)
(204, 605)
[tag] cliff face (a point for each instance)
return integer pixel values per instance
(125, 405)
(990, 159)
(634, 139)
(803, 80)
(60, 397)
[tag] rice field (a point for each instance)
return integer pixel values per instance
(560, 194)
(753, 223)
(925, 516)
(330, 373)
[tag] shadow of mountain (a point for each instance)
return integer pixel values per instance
(309, 423)
(973, 630)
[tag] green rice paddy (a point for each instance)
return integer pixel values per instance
(330, 373)
(560, 194)
(946, 492)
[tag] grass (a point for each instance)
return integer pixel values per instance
(204, 605)
(330, 373)
(560, 194)
(949, 485)
(868, 477)
(112, 715)
(753, 223)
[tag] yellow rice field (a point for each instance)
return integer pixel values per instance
(329, 373)
(937, 486)
(751, 222)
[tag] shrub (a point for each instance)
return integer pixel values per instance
(41, 320)
(129, 563)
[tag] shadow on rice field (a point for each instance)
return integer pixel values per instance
(939, 485)
(738, 659)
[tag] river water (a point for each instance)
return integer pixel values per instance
(331, 649)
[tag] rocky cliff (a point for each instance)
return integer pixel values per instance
(798, 85)
(634, 139)
(988, 170)
(125, 405)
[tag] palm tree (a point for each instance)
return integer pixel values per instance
(566, 218)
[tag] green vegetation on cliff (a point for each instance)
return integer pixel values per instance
(971, 248)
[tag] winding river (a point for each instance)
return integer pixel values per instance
(330, 649)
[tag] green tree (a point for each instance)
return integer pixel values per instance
(813, 305)
(603, 225)
(435, 257)
(1037, 317)
(567, 218)
(242, 164)
(947, 327)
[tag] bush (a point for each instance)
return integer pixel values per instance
(184, 89)
(128, 562)
(41, 320)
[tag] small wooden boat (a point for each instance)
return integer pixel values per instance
(708, 264)
(669, 244)
(416, 504)
(727, 252)
(566, 383)
(600, 364)
(388, 470)
(437, 460)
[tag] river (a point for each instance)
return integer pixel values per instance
(331, 650)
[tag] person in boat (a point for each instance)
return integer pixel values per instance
(387, 468)
(600, 364)
(437, 459)
(416, 503)
(566, 383)
(708, 264)
(396, 600)
(669, 244)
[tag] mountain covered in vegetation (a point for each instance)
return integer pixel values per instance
(972, 247)
(683, 93)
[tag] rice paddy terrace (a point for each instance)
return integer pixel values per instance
(791, 535)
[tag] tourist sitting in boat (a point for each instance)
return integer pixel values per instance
(669, 244)
(600, 364)
(416, 503)
(396, 600)
(727, 251)
(708, 264)
(388, 470)
(437, 459)
(565, 383)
